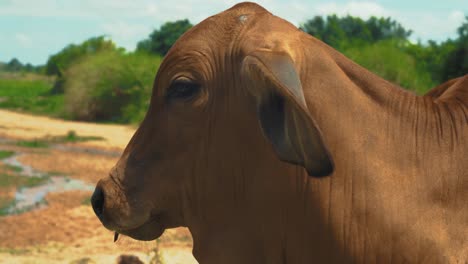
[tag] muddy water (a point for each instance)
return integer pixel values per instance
(30, 198)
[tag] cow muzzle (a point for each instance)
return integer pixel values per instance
(111, 206)
(97, 201)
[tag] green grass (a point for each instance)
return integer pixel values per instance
(71, 136)
(5, 203)
(6, 154)
(14, 168)
(35, 143)
(15, 251)
(391, 62)
(9, 180)
(30, 95)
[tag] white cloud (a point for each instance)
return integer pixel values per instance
(43, 8)
(430, 25)
(23, 40)
(79, 9)
(456, 16)
(360, 9)
(125, 34)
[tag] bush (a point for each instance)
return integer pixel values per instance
(388, 60)
(59, 62)
(110, 86)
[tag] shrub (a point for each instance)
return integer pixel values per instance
(110, 86)
(388, 60)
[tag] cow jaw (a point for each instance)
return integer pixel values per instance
(150, 230)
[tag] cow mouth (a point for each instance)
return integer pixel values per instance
(149, 230)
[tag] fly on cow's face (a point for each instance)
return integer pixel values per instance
(182, 89)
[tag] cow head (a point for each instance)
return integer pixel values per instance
(227, 100)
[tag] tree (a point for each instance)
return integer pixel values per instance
(456, 63)
(14, 65)
(160, 41)
(444, 60)
(345, 31)
(58, 62)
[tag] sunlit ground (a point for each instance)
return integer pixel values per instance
(62, 228)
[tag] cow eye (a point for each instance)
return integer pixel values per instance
(182, 88)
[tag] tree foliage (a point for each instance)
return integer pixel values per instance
(456, 63)
(58, 63)
(341, 32)
(15, 65)
(110, 86)
(387, 59)
(161, 40)
(445, 60)
(100, 82)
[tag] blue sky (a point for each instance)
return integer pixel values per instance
(32, 30)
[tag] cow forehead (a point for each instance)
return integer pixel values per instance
(234, 32)
(228, 22)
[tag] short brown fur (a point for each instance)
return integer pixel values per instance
(398, 192)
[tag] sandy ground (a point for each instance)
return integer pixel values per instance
(67, 231)
(20, 126)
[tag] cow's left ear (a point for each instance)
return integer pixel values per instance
(272, 79)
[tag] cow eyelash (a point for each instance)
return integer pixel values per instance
(182, 89)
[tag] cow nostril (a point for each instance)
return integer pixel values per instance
(97, 200)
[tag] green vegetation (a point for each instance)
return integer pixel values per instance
(60, 61)
(349, 31)
(6, 154)
(71, 137)
(14, 65)
(30, 95)
(15, 251)
(35, 143)
(161, 40)
(389, 61)
(382, 46)
(110, 86)
(8, 180)
(99, 82)
(14, 168)
(5, 203)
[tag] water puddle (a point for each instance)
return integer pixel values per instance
(30, 198)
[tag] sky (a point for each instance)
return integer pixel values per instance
(32, 30)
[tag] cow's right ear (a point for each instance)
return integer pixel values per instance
(271, 78)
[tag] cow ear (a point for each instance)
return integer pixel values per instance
(271, 78)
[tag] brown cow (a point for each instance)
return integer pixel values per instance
(244, 107)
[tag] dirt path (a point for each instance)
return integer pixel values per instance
(66, 231)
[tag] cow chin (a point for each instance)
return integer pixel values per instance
(150, 230)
